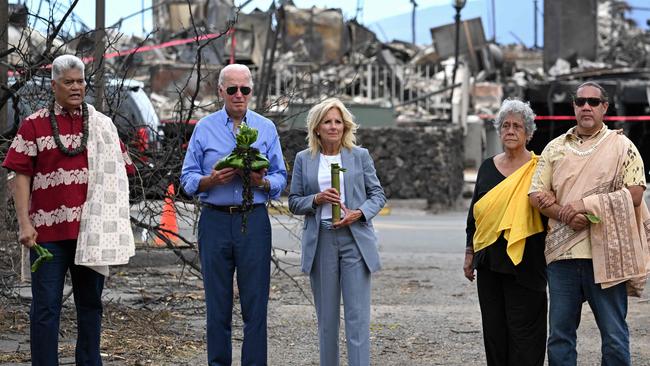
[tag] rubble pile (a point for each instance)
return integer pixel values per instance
(620, 41)
(316, 54)
(313, 53)
(418, 162)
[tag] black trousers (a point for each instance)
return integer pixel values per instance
(514, 320)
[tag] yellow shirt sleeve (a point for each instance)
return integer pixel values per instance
(633, 170)
(543, 177)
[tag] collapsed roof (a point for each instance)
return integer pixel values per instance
(301, 55)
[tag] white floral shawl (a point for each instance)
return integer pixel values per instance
(105, 236)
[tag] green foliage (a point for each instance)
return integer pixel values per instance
(44, 255)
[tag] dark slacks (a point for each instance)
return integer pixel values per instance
(514, 320)
(222, 249)
(45, 310)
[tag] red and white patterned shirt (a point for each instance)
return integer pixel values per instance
(59, 182)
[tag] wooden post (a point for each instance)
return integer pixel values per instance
(369, 82)
(100, 26)
(4, 40)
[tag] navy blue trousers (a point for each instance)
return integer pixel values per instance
(45, 311)
(223, 248)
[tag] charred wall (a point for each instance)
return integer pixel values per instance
(414, 162)
(570, 30)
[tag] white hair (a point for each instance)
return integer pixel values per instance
(515, 106)
(235, 67)
(64, 63)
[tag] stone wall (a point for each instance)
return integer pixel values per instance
(411, 162)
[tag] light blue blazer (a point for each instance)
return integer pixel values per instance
(362, 191)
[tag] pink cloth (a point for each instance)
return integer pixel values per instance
(619, 243)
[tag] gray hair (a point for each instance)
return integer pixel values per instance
(64, 63)
(516, 106)
(235, 67)
(603, 93)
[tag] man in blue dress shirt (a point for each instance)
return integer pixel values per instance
(223, 247)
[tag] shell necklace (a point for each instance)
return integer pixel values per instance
(589, 151)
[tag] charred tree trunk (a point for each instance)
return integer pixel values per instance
(4, 36)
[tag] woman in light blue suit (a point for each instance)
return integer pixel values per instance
(339, 257)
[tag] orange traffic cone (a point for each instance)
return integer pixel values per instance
(168, 220)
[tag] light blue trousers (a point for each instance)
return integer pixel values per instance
(340, 268)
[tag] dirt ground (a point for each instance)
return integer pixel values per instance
(424, 313)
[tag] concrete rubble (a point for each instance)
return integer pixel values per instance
(316, 52)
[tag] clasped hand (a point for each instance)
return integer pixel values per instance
(545, 199)
(572, 215)
(331, 195)
(349, 217)
(225, 175)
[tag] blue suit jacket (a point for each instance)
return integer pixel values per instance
(362, 191)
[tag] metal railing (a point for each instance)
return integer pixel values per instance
(372, 83)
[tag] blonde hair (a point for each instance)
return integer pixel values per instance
(315, 117)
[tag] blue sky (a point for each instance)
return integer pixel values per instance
(389, 19)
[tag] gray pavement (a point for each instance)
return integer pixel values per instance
(420, 291)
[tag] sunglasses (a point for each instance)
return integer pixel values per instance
(594, 102)
(231, 90)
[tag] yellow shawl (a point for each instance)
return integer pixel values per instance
(505, 208)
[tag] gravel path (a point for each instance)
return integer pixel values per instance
(423, 313)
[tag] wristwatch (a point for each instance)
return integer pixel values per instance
(265, 186)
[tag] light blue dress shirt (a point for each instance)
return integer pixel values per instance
(212, 139)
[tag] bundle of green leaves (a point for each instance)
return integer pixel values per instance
(44, 255)
(247, 159)
(236, 159)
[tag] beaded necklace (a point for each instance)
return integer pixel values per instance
(57, 136)
(590, 150)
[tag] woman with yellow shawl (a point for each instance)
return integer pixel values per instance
(505, 245)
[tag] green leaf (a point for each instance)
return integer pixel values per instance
(44, 255)
(593, 218)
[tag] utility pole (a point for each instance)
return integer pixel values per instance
(415, 5)
(142, 15)
(535, 22)
(4, 40)
(458, 5)
(359, 14)
(494, 23)
(100, 30)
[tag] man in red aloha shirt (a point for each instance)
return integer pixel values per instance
(71, 197)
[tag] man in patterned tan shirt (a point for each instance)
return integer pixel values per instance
(54, 157)
(591, 170)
